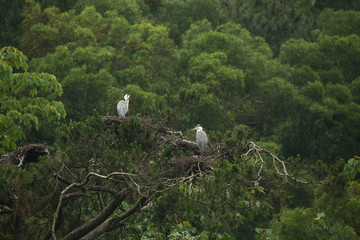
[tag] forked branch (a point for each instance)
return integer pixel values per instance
(256, 151)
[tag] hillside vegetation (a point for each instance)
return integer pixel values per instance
(275, 85)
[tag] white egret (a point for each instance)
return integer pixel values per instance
(201, 138)
(123, 106)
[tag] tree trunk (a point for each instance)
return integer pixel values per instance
(19, 227)
(99, 219)
(115, 222)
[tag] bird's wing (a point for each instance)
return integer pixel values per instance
(201, 140)
(201, 137)
(120, 102)
(122, 108)
(204, 136)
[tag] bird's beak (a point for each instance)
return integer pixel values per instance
(194, 129)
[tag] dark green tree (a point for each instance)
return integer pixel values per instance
(178, 15)
(100, 48)
(276, 21)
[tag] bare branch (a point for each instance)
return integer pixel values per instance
(106, 211)
(98, 219)
(101, 200)
(90, 187)
(75, 194)
(115, 222)
(61, 179)
(101, 189)
(257, 150)
(58, 209)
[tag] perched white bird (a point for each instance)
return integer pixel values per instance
(123, 106)
(201, 138)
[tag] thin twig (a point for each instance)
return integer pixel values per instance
(256, 150)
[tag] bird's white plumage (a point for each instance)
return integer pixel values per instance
(123, 106)
(201, 138)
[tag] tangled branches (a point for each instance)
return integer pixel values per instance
(101, 223)
(256, 151)
(124, 171)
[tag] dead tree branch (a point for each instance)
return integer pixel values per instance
(81, 231)
(98, 219)
(115, 222)
(256, 151)
(58, 209)
(106, 211)
(96, 188)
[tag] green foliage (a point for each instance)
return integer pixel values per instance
(301, 52)
(278, 95)
(306, 224)
(284, 74)
(26, 98)
(274, 20)
(10, 20)
(324, 100)
(340, 23)
(178, 15)
(236, 207)
(352, 168)
(141, 102)
(149, 49)
(355, 90)
(303, 74)
(35, 191)
(225, 81)
(39, 37)
(196, 104)
(232, 64)
(181, 231)
(104, 53)
(351, 5)
(343, 52)
(131, 10)
(329, 217)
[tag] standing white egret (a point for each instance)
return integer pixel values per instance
(201, 138)
(123, 106)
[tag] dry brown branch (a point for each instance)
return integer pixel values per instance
(146, 191)
(99, 218)
(115, 222)
(106, 211)
(88, 187)
(58, 209)
(75, 194)
(256, 151)
(102, 224)
(82, 184)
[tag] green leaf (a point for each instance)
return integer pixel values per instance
(33, 92)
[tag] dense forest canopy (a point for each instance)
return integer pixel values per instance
(275, 85)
